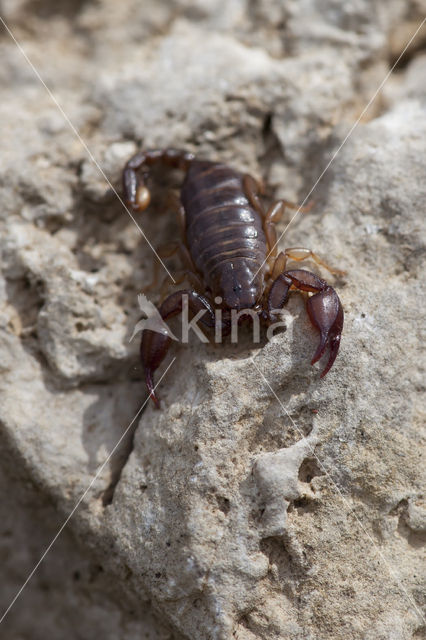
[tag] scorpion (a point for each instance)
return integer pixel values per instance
(230, 254)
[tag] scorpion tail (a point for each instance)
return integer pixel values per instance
(135, 192)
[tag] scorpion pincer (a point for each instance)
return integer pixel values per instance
(229, 248)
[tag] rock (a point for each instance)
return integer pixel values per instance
(261, 502)
(277, 478)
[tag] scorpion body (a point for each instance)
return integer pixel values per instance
(225, 234)
(230, 253)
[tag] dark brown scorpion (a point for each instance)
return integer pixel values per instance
(230, 252)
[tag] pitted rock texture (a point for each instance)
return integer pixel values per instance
(260, 503)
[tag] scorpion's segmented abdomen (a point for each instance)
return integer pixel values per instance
(221, 224)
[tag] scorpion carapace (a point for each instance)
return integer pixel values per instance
(230, 254)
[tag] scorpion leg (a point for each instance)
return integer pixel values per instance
(167, 251)
(164, 251)
(300, 253)
(278, 266)
(185, 274)
(272, 216)
(155, 344)
(252, 188)
(286, 204)
(324, 309)
(277, 209)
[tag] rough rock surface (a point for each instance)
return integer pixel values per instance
(261, 502)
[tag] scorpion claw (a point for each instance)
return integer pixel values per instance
(150, 386)
(326, 313)
(154, 347)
